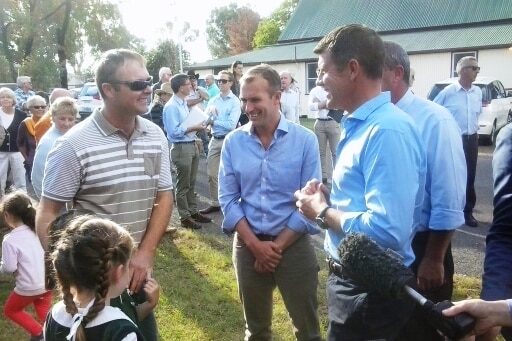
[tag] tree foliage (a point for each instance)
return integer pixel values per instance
(230, 30)
(165, 54)
(41, 37)
(270, 29)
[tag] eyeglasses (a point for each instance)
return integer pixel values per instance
(474, 68)
(39, 106)
(223, 81)
(136, 85)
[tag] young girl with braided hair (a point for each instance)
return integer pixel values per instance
(23, 256)
(91, 258)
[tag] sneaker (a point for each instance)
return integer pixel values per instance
(190, 224)
(200, 218)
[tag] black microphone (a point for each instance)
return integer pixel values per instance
(382, 271)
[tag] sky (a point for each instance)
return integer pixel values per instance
(148, 21)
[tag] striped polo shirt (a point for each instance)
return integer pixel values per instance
(97, 167)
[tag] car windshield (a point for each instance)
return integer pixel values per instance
(89, 90)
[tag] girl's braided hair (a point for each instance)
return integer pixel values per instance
(83, 257)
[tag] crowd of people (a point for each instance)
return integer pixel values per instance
(403, 175)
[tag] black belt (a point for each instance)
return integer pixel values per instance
(221, 137)
(334, 267)
(184, 142)
(266, 237)
(324, 119)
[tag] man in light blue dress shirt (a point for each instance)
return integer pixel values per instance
(464, 101)
(224, 110)
(184, 151)
(377, 185)
(262, 164)
(445, 189)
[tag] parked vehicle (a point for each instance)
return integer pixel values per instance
(12, 86)
(496, 106)
(88, 100)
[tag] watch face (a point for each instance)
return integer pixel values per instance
(321, 223)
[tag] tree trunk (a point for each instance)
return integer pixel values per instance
(61, 46)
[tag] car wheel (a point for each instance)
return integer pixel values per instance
(509, 117)
(489, 140)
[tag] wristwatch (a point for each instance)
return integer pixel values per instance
(320, 219)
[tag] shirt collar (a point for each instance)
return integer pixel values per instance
(108, 129)
(406, 99)
(370, 106)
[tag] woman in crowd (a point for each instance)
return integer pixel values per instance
(64, 112)
(26, 133)
(237, 70)
(10, 157)
(290, 97)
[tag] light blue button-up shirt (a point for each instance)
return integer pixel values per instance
(464, 105)
(379, 178)
(445, 187)
(259, 184)
(175, 112)
(228, 113)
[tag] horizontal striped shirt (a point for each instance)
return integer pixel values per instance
(99, 168)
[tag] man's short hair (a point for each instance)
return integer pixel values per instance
(59, 92)
(163, 71)
(177, 81)
(210, 76)
(21, 80)
(355, 42)
(266, 72)
(464, 61)
(395, 56)
(64, 105)
(226, 72)
(110, 62)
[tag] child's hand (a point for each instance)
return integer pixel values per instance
(152, 290)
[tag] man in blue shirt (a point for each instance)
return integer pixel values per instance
(497, 277)
(224, 110)
(377, 184)
(23, 92)
(184, 152)
(262, 164)
(211, 88)
(464, 101)
(445, 189)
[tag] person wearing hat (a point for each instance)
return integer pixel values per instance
(197, 97)
(162, 96)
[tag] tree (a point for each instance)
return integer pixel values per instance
(37, 33)
(241, 31)
(165, 54)
(270, 29)
(216, 29)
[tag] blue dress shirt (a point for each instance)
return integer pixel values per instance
(229, 110)
(445, 187)
(259, 184)
(175, 112)
(465, 106)
(379, 177)
(497, 277)
(42, 150)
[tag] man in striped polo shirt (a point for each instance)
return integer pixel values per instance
(116, 164)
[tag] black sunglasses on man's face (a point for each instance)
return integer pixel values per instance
(136, 85)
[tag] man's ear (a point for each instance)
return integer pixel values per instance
(108, 89)
(354, 68)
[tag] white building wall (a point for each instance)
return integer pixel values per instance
(429, 68)
(498, 64)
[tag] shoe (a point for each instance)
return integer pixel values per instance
(190, 224)
(200, 218)
(171, 230)
(210, 209)
(470, 220)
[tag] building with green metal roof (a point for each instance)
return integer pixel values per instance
(435, 33)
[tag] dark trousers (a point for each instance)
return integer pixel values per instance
(356, 314)
(470, 146)
(417, 327)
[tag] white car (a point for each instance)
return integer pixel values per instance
(496, 106)
(88, 100)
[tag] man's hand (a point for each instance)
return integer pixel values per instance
(140, 263)
(430, 274)
(268, 255)
(312, 198)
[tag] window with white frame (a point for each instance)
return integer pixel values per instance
(310, 76)
(456, 56)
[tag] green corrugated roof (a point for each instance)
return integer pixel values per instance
(492, 35)
(316, 18)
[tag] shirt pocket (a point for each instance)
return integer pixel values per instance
(152, 163)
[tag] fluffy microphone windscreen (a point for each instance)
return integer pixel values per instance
(363, 261)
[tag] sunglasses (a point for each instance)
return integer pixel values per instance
(39, 106)
(136, 85)
(223, 81)
(474, 68)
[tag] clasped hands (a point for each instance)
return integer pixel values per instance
(312, 198)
